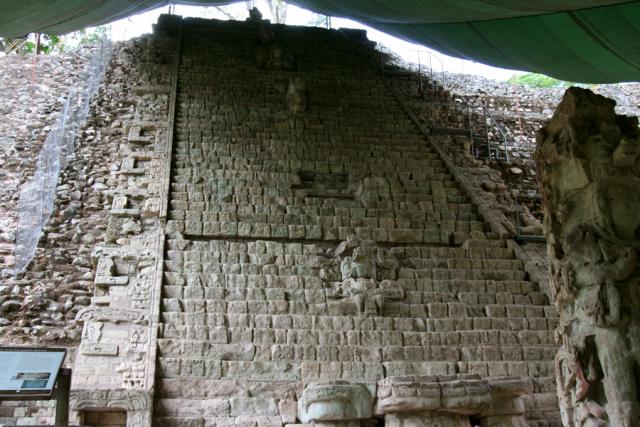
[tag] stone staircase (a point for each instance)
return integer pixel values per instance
(270, 214)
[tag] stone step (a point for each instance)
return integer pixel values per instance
(484, 302)
(265, 251)
(429, 233)
(348, 307)
(309, 349)
(292, 371)
(178, 285)
(442, 269)
(281, 334)
(452, 219)
(478, 243)
(381, 325)
(204, 388)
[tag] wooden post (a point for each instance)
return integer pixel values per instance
(37, 43)
(62, 398)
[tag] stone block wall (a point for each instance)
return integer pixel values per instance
(322, 242)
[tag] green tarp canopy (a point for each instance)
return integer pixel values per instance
(589, 41)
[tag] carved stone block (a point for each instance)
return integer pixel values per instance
(334, 401)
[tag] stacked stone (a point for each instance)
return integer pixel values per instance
(313, 235)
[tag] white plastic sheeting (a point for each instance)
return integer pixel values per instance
(36, 201)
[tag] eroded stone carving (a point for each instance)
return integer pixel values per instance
(588, 162)
(373, 191)
(106, 273)
(275, 58)
(104, 314)
(420, 393)
(297, 95)
(359, 265)
(130, 400)
(91, 341)
(426, 400)
(133, 367)
(137, 403)
(334, 401)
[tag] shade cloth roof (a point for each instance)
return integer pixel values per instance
(590, 41)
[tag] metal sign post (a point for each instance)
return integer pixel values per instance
(63, 391)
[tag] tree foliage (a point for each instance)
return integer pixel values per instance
(538, 81)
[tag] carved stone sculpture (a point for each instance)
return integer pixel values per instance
(334, 401)
(448, 401)
(359, 272)
(588, 163)
(275, 58)
(374, 191)
(297, 95)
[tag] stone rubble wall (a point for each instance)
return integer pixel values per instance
(39, 308)
(30, 103)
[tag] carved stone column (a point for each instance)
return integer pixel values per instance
(588, 165)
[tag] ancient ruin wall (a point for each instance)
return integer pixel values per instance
(304, 232)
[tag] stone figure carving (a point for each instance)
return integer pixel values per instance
(373, 191)
(92, 332)
(359, 278)
(588, 162)
(297, 95)
(275, 58)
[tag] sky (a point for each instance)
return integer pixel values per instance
(409, 52)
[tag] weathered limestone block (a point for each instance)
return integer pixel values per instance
(334, 401)
(588, 164)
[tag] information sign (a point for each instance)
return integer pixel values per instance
(29, 372)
